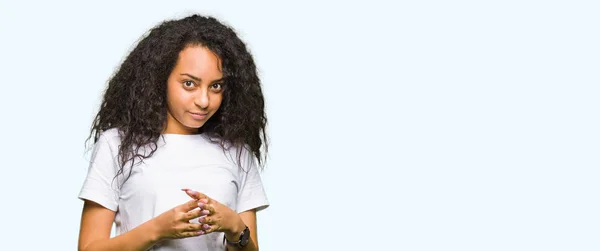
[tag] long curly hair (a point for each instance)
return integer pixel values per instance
(135, 101)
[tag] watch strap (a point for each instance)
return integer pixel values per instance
(242, 241)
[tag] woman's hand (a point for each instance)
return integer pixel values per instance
(219, 218)
(175, 223)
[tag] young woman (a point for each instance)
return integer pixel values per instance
(179, 139)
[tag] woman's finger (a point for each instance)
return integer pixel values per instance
(209, 208)
(211, 228)
(206, 220)
(202, 203)
(205, 212)
(195, 194)
(190, 205)
(191, 227)
(193, 214)
(192, 233)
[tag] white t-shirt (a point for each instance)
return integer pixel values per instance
(154, 186)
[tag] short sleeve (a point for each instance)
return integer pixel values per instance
(100, 184)
(252, 193)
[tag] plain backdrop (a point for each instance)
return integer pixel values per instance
(400, 125)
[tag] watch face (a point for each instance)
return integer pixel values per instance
(245, 237)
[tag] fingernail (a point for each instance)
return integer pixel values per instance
(206, 226)
(206, 212)
(204, 200)
(200, 232)
(201, 219)
(200, 205)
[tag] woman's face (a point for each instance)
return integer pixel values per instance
(194, 90)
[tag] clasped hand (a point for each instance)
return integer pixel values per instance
(212, 217)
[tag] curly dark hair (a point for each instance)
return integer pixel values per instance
(135, 99)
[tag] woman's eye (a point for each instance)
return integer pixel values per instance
(188, 84)
(217, 86)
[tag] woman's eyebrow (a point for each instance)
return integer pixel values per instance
(199, 79)
(192, 77)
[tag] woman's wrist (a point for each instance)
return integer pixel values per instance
(234, 233)
(153, 230)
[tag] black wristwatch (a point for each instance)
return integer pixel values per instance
(242, 242)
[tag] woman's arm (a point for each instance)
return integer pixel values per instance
(96, 223)
(247, 218)
(94, 233)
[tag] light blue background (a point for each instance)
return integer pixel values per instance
(415, 125)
